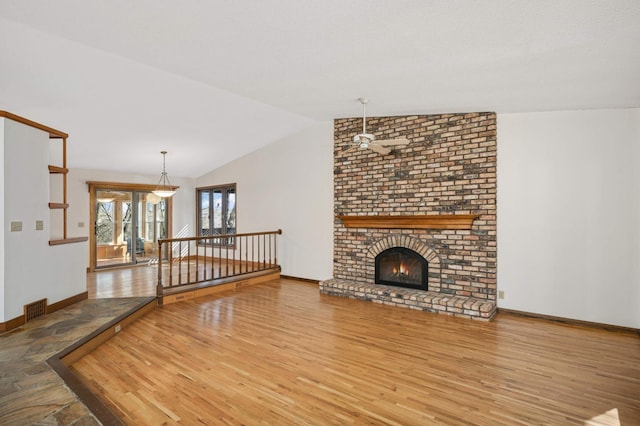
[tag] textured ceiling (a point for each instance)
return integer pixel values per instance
(220, 78)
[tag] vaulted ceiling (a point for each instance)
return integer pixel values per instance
(210, 81)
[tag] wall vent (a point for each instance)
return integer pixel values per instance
(35, 310)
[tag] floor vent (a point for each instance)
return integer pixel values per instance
(35, 310)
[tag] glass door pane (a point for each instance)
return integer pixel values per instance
(161, 220)
(113, 228)
(152, 219)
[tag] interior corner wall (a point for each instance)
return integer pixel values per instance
(32, 270)
(288, 185)
(78, 196)
(568, 209)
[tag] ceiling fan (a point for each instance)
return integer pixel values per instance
(366, 140)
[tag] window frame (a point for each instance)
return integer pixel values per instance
(225, 190)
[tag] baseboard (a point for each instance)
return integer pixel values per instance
(18, 321)
(12, 323)
(571, 321)
(306, 280)
(67, 302)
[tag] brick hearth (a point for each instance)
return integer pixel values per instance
(466, 307)
(448, 168)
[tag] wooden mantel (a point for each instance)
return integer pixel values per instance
(435, 221)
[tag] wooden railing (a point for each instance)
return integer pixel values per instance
(198, 261)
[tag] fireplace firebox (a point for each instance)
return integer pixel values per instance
(402, 267)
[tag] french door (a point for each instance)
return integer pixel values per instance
(127, 224)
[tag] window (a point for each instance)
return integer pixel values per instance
(155, 221)
(217, 213)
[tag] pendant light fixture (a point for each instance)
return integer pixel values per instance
(164, 188)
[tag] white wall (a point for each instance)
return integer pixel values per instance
(288, 185)
(2, 220)
(32, 269)
(568, 214)
(78, 197)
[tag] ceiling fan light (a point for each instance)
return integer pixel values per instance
(364, 138)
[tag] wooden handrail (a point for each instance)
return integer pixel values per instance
(214, 258)
(279, 232)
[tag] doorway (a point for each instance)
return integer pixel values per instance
(127, 224)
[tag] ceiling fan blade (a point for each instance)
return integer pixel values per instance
(379, 149)
(390, 142)
(348, 150)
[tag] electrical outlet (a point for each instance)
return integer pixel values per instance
(16, 226)
(118, 328)
(501, 294)
(80, 224)
(39, 225)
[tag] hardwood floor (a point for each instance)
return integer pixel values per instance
(140, 280)
(136, 281)
(281, 353)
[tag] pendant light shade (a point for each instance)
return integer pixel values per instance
(164, 188)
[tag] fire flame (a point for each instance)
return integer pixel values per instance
(401, 270)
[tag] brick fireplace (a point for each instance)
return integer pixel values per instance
(435, 196)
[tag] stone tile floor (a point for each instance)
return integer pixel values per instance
(30, 391)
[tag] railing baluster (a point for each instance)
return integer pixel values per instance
(159, 285)
(180, 263)
(197, 260)
(275, 249)
(212, 259)
(204, 259)
(169, 248)
(240, 252)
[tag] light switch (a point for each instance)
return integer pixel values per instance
(80, 224)
(16, 226)
(39, 225)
